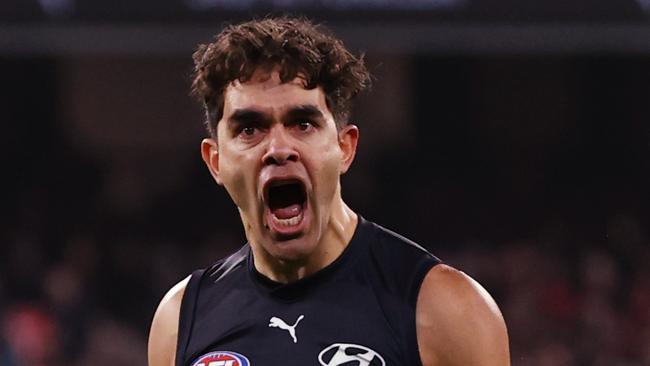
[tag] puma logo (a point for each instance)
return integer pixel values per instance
(276, 322)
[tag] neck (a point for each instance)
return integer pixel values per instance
(337, 233)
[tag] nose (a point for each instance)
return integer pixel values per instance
(280, 149)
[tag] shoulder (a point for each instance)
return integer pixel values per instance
(458, 322)
(164, 327)
(164, 333)
(229, 264)
(395, 246)
(401, 263)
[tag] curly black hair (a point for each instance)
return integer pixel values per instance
(296, 46)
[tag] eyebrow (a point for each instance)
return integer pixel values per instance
(246, 116)
(305, 111)
(249, 115)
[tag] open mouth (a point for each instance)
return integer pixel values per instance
(286, 202)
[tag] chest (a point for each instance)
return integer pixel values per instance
(343, 323)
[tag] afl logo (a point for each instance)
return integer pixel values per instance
(349, 354)
(222, 358)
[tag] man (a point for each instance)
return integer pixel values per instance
(316, 283)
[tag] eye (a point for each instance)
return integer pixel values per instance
(305, 125)
(248, 133)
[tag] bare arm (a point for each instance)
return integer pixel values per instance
(164, 327)
(458, 322)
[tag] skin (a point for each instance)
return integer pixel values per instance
(457, 321)
(276, 144)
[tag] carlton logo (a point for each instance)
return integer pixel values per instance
(222, 358)
(349, 354)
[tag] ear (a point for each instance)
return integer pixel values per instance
(348, 138)
(210, 155)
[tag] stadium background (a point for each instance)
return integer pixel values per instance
(511, 138)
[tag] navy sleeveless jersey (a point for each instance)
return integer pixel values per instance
(357, 311)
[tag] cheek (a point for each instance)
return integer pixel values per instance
(236, 176)
(327, 172)
(235, 184)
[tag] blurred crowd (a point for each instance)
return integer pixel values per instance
(80, 275)
(547, 207)
(583, 303)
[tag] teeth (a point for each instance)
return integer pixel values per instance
(288, 222)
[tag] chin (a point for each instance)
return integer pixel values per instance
(291, 250)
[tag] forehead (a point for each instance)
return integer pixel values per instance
(266, 93)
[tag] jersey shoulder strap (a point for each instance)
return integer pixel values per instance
(399, 266)
(403, 263)
(198, 282)
(186, 315)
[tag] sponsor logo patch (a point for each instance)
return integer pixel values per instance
(350, 354)
(222, 358)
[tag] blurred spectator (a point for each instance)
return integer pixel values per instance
(560, 238)
(32, 337)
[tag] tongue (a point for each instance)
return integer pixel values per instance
(287, 212)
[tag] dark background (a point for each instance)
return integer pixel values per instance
(510, 138)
